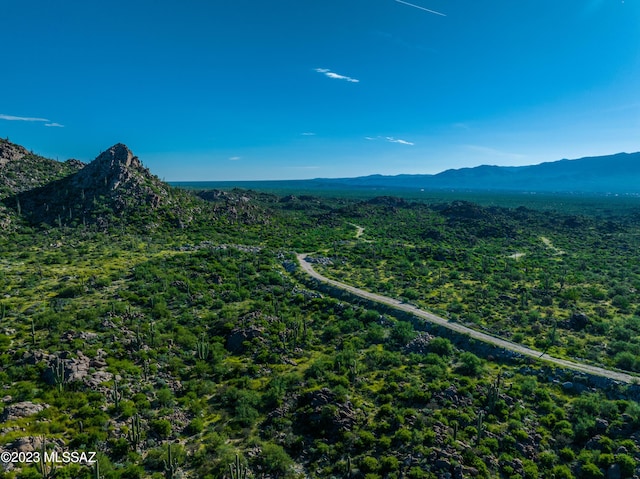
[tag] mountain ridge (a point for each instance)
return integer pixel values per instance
(617, 173)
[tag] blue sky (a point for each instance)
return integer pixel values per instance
(248, 89)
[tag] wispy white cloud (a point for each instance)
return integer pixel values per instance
(389, 139)
(421, 8)
(330, 74)
(308, 133)
(235, 158)
(20, 118)
(30, 118)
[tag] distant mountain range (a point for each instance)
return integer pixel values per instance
(616, 174)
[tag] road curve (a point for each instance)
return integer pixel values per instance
(432, 318)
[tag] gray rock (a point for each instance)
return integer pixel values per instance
(22, 409)
(27, 444)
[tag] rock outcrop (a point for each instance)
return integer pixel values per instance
(21, 409)
(10, 152)
(115, 186)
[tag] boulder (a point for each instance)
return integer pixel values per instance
(22, 409)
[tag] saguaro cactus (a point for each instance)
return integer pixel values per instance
(116, 394)
(493, 394)
(96, 471)
(202, 348)
(479, 427)
(170, 464)
(135, 432)
(46, 469)
(237, 470)
(59, 376)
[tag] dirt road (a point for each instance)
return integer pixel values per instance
(508, 345)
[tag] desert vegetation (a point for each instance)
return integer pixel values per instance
(188, 343)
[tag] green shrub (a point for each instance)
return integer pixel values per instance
(161, 427)
(627, 464)
(590, 471)
(562, 472)
(441, 347)
(470, 364)
(369, 464)
(195, 426)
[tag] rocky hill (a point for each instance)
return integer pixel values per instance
(114, 189)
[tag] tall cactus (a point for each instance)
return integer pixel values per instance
(116, 394)
(202, 348)
(96, 471)
(493, 393)
(59, 376)
(135, 432)
(46, 469)
(237, 470)
(145, 369)
(152, 333)
(170, 464)
(479, 427)
(455, 426)
(138, 341)
(33, 332)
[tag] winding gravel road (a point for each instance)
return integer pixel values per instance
(432, 318)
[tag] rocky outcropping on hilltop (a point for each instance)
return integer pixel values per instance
(113, 186)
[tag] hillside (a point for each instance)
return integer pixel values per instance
(21, 170)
